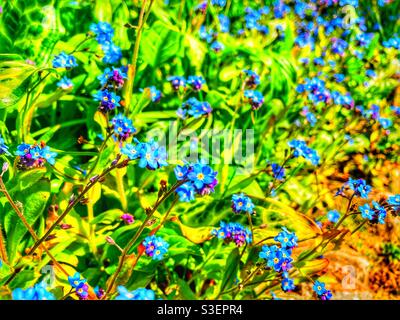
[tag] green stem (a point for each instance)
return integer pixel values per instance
(347, 212)
(132, 67)
(359, 227)
(137, 235)
(3, 189)
(70, 206)
(3, 252)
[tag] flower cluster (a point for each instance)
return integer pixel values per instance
(138, 294)
(360, 187)
(196, 82)
(108, 100)
(113, 78)
(80, 285)
(242, 203)
(254, 98)
(123, 127)
(302, 150)
(254, 19)
(201, 179)
(217, 46)
(321, 291)
(333, 216)
(65, 83)
(194, 108)
(103, 31)
(37, 292)
(310, 117)
(210, 36)
(278, 171)
(177, 82)
(277, 258)
(315, 87)
(155, 94)
(394, 201)
(287, 284)
(252, 79)
(3, 147)
(224, 23)
(35, 155)
(104, 34)
(150, 154)
(233, 232)
(64, 60)
(155, 247)
(377, 214)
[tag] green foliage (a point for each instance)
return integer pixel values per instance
(92, 234)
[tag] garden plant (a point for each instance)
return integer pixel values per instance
(199, 149)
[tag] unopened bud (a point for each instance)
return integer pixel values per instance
(110, 240)
(71, 199)
(19, 205)
(4, 168)
(115, 161)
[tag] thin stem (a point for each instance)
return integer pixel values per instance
(71, 205)
(132, 67)
(137, 235)
(181, 7)
(359, 227)
(3, 252)
(265, 239)
(80, 43)
(244, 282)
(167, 213)
(102, 147)
(279, 172)
(347, 212)
(27, 225)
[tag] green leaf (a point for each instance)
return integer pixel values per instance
(160, 43)
(25, 179)
(185, 292)
(231, 270)
(107, 217)
(34, 201)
